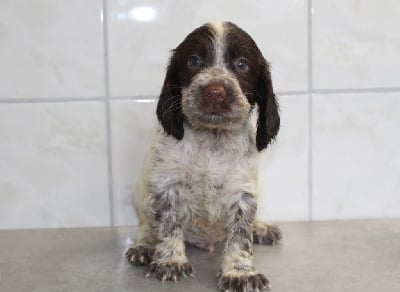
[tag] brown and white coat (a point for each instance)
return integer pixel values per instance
(199, 180)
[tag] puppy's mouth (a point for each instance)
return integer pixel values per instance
(213, 118)
(225, 115)
(214, 107)
(214, 100)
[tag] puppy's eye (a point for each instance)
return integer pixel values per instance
(242, 64)
(194, 61)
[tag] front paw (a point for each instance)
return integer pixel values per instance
(169, 271)
(266, 234)
(243, 282)
(139, 255)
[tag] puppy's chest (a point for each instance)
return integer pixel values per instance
(208, 179)
(203, 194)
(208, 172)
(210, 183)
(206, 175)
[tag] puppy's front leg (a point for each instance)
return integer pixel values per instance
(237, 270)
(169, 260)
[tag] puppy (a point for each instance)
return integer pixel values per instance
(199, 180)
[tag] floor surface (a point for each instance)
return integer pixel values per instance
(325, 256)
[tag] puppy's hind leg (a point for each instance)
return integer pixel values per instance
(266, 234)
(141, 253)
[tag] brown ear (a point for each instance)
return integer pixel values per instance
(169, 109)
(268, 112)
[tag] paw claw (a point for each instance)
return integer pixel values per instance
(257, 282)
(139, 255)
(169, 271)
(266, 234)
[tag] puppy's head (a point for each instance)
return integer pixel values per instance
(214, 79)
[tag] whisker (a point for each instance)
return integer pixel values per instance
(174, 86)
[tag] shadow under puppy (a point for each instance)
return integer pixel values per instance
(199, 180)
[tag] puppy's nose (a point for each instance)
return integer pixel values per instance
(215, 93)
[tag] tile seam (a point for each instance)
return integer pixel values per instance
(356, 90)
(110, 178)
(51, 100)
(133, 97)
(310, 108)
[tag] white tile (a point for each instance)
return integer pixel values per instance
(139, 51)
(356, 43)
(284, 167)
(356, 160)
(132, 125)
(51, 48)
(53, 165)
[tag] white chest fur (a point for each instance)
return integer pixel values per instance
(207, 171)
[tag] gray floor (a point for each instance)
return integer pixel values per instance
(325, 256)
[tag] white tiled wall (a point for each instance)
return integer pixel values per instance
(356, 44)
(356, 160)
(79, 82)
(140, 49)
(51, 49)
(53, 165)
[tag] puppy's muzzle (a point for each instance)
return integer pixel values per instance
(215, 96)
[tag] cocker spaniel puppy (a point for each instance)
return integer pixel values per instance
(199, 181)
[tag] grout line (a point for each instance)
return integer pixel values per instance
(108, 117)
(146, 97)
(357, 90)
(51, 100)
(154, 97)
(294, 92)
(310, 109)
